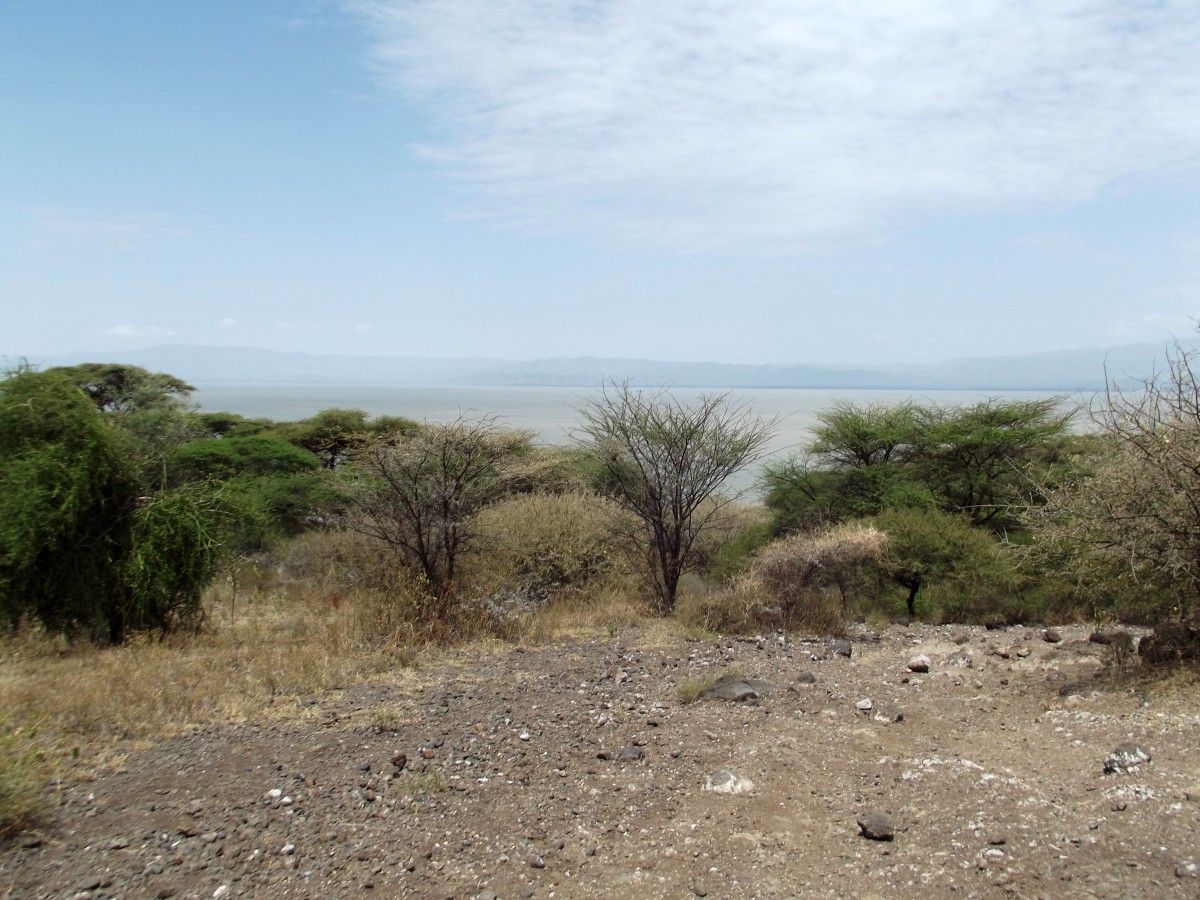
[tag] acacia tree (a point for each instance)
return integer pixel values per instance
(420, 493)
(974, 460)
(665, 462)
(1127, 526)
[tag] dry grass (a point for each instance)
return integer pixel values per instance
(803, 581)
(257, 650)
(22, 772)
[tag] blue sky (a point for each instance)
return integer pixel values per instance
(776, 181)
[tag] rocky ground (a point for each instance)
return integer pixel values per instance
(576, 770)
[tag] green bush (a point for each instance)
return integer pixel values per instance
(959, 570)
(87, 542)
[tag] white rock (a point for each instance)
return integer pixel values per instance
(919, 663)
(725, 782)
(865, 704)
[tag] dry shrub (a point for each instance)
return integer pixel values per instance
(545, 542)
(547, 470)
(804, 581)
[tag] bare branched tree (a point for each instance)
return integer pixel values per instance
(1129, 525)
(420, 493)
(665, 462)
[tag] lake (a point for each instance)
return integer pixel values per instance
(551, 411)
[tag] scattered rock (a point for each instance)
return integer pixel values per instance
(1126, 759)
(876, 825)
(887, 712)
(738, 690)
(996, 625)
(841, 647)
(1050, 636)
(865, 704)
(1170, 643)
(1118, 640)
(960, 658)
(724, 781)
(919, 663)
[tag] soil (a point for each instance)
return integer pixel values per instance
(575, 769)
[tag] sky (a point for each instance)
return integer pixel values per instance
(745, 181)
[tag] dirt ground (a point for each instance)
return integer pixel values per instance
(576, 770)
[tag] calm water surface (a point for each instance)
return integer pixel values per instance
(550, 411)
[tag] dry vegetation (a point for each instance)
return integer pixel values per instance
(805, 581)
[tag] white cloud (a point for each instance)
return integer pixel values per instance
(137, 331)
(228, 322)
(771, 123)
(364, 328)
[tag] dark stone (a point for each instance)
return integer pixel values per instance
(877, 826)
(841, 647)
(737, 690)
(996, 625)
(1050, 636)
(1118, 640)
(1072, 688)
(1170, 643)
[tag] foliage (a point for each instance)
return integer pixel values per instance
(664, 462)
(976, 460)
(67, 495)
(228, 424)
(225, 458)
(335, 435)
(150, 409)
(177, 543)
(981, 460)
(419, 493)
(1126, 527)
(928, 548)
(87, 540)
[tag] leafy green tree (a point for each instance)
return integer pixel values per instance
(931, 548)
(150, 409)
(335, 434)
(665, 462)
(86, 543)
(67, 495)
(271, 487)
(981, 460)
(118, 388)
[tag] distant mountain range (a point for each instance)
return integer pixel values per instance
(1060, 370)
